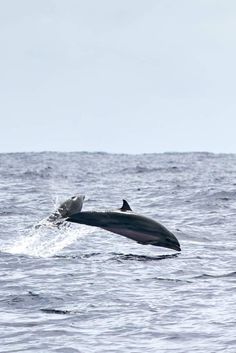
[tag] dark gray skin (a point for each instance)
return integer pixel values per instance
(142, 229)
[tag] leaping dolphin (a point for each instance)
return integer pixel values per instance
(125, 222)
(66, 209)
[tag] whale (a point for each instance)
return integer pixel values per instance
(125, 222)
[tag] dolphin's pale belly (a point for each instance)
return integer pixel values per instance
(168, 241)
(140, 237)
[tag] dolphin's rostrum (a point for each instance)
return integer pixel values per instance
(125, 222)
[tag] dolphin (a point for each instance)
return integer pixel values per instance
(66, 209)
(125, 222)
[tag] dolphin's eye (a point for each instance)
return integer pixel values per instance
(73, 198)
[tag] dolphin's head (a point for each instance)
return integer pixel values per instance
(71, 206)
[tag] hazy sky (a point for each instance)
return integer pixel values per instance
(118, 76)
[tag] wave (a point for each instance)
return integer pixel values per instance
(208, 276)
(139, 169)
(135, 257)
(57, 311)
(119, 256)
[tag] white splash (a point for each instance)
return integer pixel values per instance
(45, 241)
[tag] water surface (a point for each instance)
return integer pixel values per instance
(82, 289)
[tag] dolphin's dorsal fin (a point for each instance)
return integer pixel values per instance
(125, 207)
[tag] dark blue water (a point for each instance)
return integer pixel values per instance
(82, 289)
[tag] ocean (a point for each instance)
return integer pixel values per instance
(83, 289)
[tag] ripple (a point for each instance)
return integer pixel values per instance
(135, 257)
(208, 276)
(56, 311)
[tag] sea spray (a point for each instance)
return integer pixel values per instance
(45, 241)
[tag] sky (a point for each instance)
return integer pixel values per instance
(127, 76)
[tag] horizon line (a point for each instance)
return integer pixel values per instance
(117, 153)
